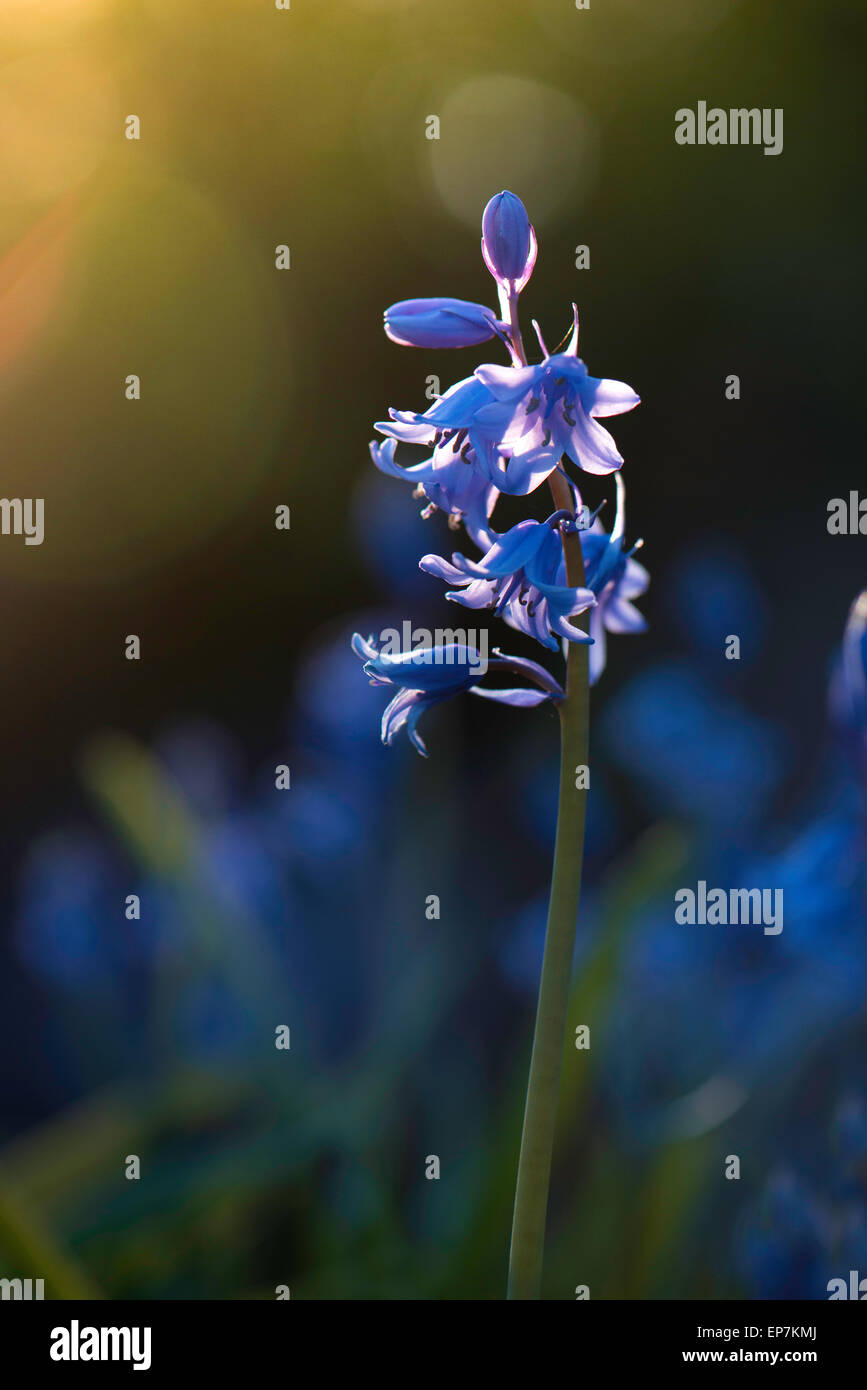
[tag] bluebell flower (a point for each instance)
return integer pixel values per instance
(452, 480)
(553, 408)
(440, 323)
(508, 241)
(468, 465)
(427, 676)
(615, 578)
(505, 430)
(523, 579)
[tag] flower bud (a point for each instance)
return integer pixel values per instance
(508, 240)
(440, 323)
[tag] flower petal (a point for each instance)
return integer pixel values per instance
(507, 383)
(521, 699)
(620, 616)
(591, 447)
(603, 397)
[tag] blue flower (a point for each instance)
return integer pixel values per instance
(508, 241)
(427, 676)
(615, 578)
(440, 323)
(453, 480)
(505, 430)
(553, 408)
(523, 578)
(468, 465)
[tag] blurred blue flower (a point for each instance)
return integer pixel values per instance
(519, 955)
(695, 753)
(711, 595)
(333, 713)
(70, 926)
(695, 1002)
(391, 538)
(782, 1244)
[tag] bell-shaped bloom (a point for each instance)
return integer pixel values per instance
(468, 465)
(440, 323)
(453, 480)
(427, 676)
(615, 578)
(523, 579)
(553, 408)
(508, 241)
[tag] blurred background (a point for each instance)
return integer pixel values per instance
(260, 908)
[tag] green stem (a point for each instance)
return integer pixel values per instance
(540, 1113)
(543, 1085)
